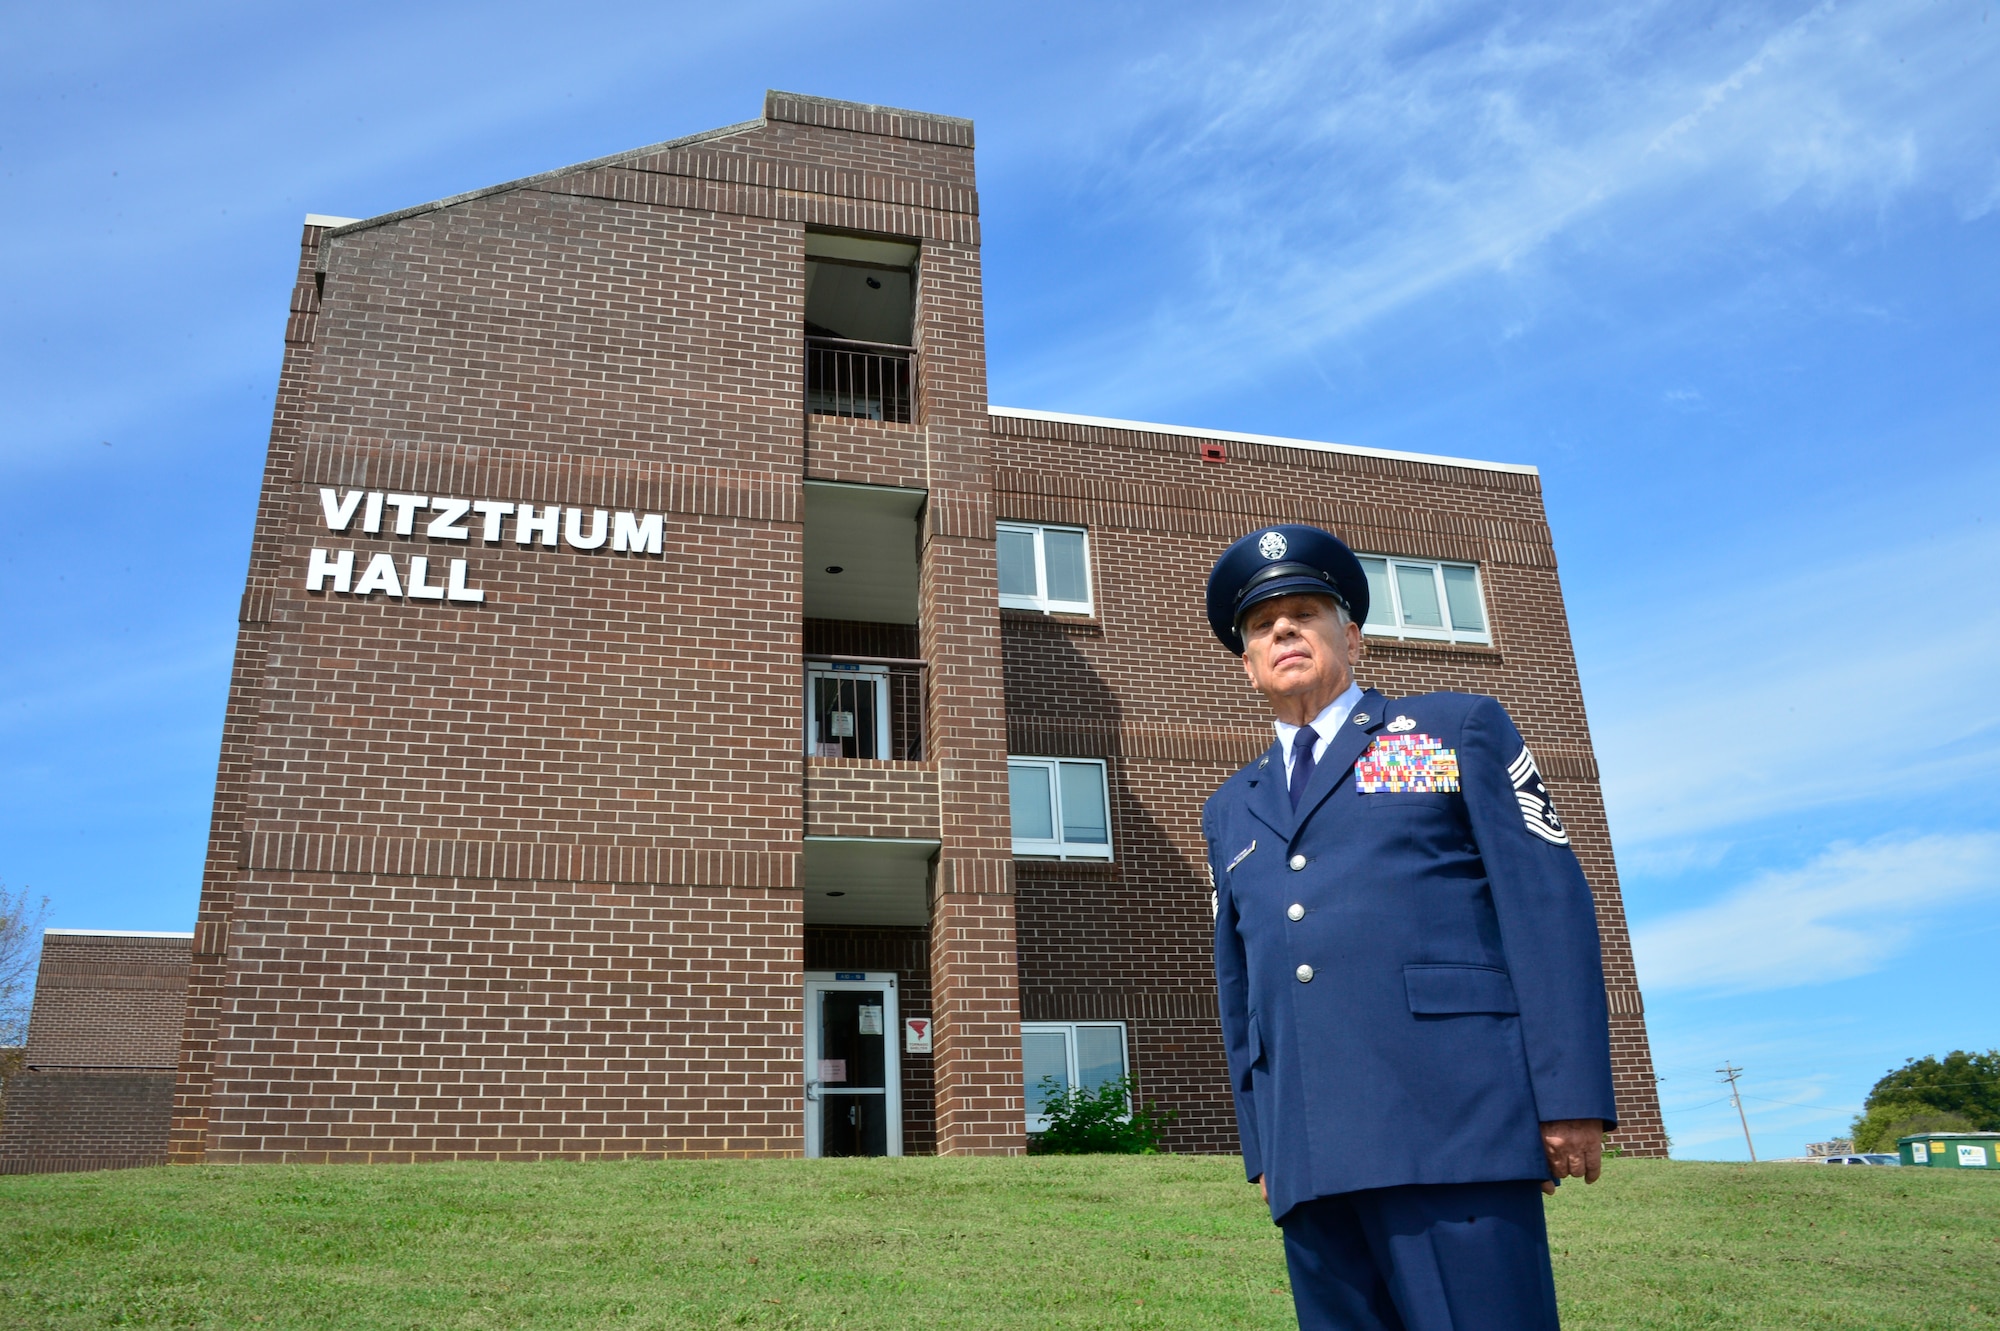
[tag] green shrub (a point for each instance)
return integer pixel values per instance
(1098, 1122)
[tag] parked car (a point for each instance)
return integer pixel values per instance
(1871, 1158)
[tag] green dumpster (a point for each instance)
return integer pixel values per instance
(1952, 1150)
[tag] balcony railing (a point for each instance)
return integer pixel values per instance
(865, 707)
(870, 380)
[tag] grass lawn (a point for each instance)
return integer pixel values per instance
(1163, 1241)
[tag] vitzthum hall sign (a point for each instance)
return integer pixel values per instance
(451, 519)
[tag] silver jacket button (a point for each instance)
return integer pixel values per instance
(1295, 911)
(1297, 862)
(1305, 975)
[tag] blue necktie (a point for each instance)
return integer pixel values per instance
(1302, 761)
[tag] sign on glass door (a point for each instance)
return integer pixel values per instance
(852, 1065)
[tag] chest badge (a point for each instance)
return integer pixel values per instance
(1401, 725)
(1407, 765)
(1241, 856)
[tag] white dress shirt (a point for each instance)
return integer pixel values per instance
(1324, 725)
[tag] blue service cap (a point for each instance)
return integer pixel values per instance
(1282, 561)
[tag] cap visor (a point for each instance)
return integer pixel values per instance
(1276, 587)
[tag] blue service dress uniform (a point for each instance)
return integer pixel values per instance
(1410, 984)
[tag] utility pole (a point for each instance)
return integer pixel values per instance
(1729, 1074)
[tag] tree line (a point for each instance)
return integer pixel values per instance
(1957, 1093)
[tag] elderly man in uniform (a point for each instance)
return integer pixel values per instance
(1407, 958)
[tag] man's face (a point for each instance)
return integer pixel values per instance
(1296, 649)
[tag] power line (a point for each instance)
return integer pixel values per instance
(1795, 1104)
(1730, 1073)
(1689, 1109)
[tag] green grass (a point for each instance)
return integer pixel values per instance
(1095, 1241)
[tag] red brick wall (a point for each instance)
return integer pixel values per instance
(395, 1018)
(842, 637)
(94, 1086)
(1144, 684)
(72, 1120)
(108, 1001)
(853, 797)
(521, 878)
(866, 452)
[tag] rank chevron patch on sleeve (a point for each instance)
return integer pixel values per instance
(1537, 810)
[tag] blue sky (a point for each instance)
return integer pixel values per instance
(1727, 274)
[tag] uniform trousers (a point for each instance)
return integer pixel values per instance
(1426, 1257)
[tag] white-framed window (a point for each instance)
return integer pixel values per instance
(1044, 568)
(1425, 598)
(1059, 807)
(847, 710)
(1056, 1055)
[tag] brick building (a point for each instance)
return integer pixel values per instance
(665, 687)
(96, 1085)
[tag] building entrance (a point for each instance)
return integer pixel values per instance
(854, 1092)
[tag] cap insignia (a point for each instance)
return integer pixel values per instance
(1271, 545)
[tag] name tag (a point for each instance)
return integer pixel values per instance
(1407, 765)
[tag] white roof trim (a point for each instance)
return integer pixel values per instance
(114, 933)
(1148, 427)
(323, 219)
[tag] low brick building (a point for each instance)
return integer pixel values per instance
(95, 1089)
(675, 714)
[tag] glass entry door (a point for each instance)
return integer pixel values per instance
(854, 1100)
(847, 710)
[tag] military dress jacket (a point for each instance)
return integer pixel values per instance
(1408, 965)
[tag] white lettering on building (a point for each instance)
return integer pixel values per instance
(573, 529)
(339, 512)
(636, 534)
(380, 577)
(406, 507)
(340, 568)
(409, 578)
(528, 525)
(449, 524)
(494, 513)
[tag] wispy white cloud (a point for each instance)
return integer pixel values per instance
(1333, 166)
(214, 168)
(1845, 913)
(1781, 688)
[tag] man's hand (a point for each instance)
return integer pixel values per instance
(1575, 1149)
(1264, 1188)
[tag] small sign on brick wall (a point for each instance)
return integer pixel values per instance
(916, 1035)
